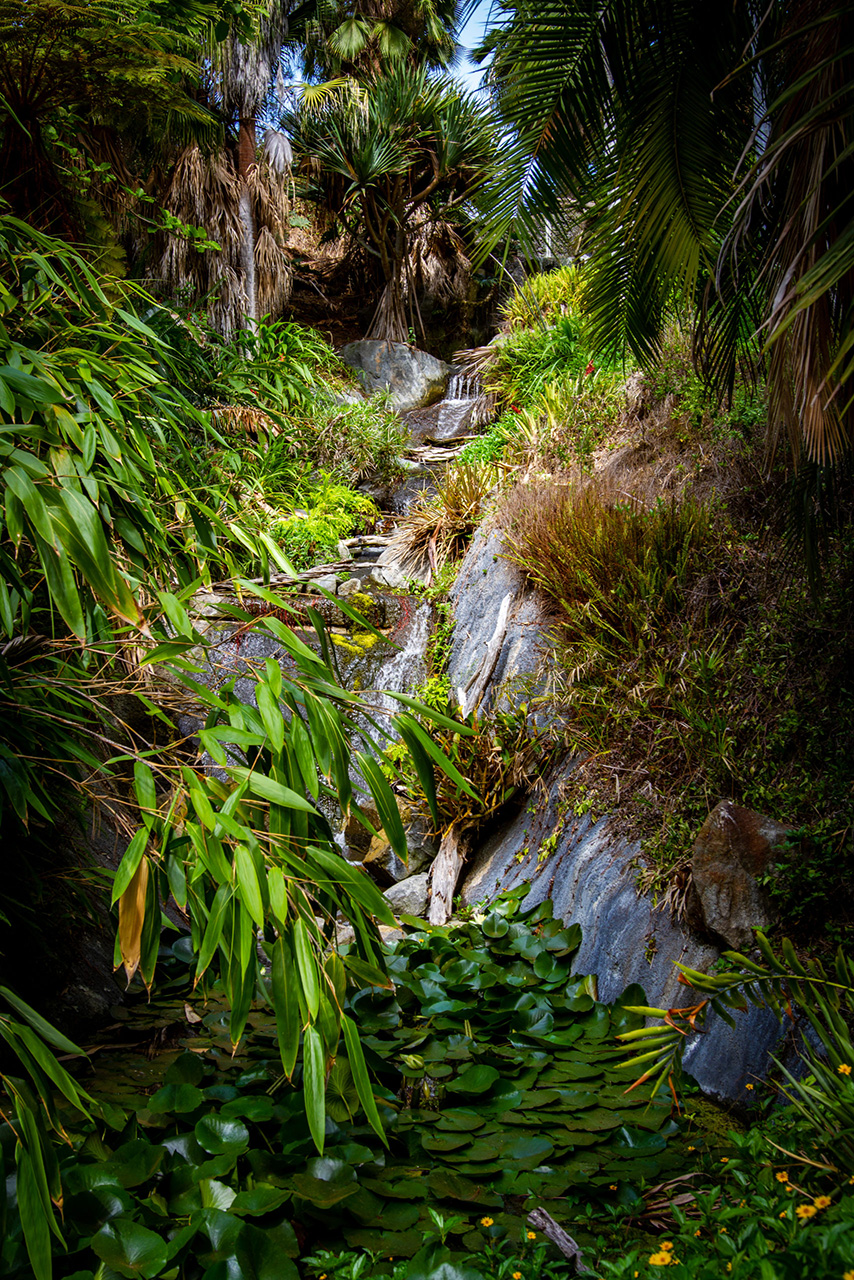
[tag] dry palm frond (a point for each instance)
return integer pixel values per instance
(473, 362)
(270, 204)
(273, 275)
(243, 419)
(438, 265)
(438, 528)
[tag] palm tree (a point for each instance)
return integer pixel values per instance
(711, 150)
(358, 37)
(393, 158)
(80, 87)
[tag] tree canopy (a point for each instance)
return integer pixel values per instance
(710, 153)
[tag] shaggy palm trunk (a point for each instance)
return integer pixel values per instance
(245, 159)
(389, 322)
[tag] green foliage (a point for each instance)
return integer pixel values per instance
(438, 526)
(544, 297)
(825, 1097)
(530, 358)
(361, 441)
(754, 1214)
(618, 571)
(494, 1072)
(389, 157)
(332, 511)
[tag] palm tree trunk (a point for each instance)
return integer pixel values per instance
(245, 160)
(389, 321)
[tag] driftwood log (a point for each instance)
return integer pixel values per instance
(542, 1221)
(445, 873)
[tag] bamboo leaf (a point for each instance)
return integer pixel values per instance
(146, 792)
(285, 1004)
(132, 918)
(40, 1024)
(213, 929)
(307, 967)
(248, 887)
(34, 1216)
(385, 802)
(356, 1058)
(271, 715)
(314, 1066)
(266, 789)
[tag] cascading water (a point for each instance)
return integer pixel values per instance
(456, 409)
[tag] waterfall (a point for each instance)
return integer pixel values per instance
(456, 409)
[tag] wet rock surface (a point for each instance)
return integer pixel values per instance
(486, 577)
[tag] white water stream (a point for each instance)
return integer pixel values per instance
(456, 408)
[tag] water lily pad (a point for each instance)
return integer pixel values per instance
(442, 1142)
(395, 1244)
(187, 1068)
(325, 1182)
(477, 1079)
(451, 1186)
(221, 1135)
(176, 1099)
(461, 1120)
(260, 1199)
(130, 1249)
(137, 1161)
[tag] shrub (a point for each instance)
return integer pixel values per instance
(331, 511)
(615, 569)
(438, 528)
(544, 297)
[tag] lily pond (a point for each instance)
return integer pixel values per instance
(496, 1072)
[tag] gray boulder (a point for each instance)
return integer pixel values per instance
(586, 868)
(734, 846)
(414, 378)
(409, 897)
(421, 849)
(485, 579)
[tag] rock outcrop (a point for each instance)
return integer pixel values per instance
(414, 378)
(734, 846)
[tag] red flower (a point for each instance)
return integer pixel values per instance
(591, 368)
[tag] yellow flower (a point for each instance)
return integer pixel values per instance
(722, 1231)
(844, 1069)
(729, 1266)
(698, 1232)
(666, 1246)
(784, 1214)
(782, 1176)
(692, 1148)
(805, 1211)
(486, 1222)
(517, 1275)
(660, 1260)
(848, 1275)
(749, 1087)
(724, 1159)
(822, 1202)
(532, 1235)
(612, 1187)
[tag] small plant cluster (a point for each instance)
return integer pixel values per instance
(331, 512)
(753, 1214)
(504, 1255)
(438, 528)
